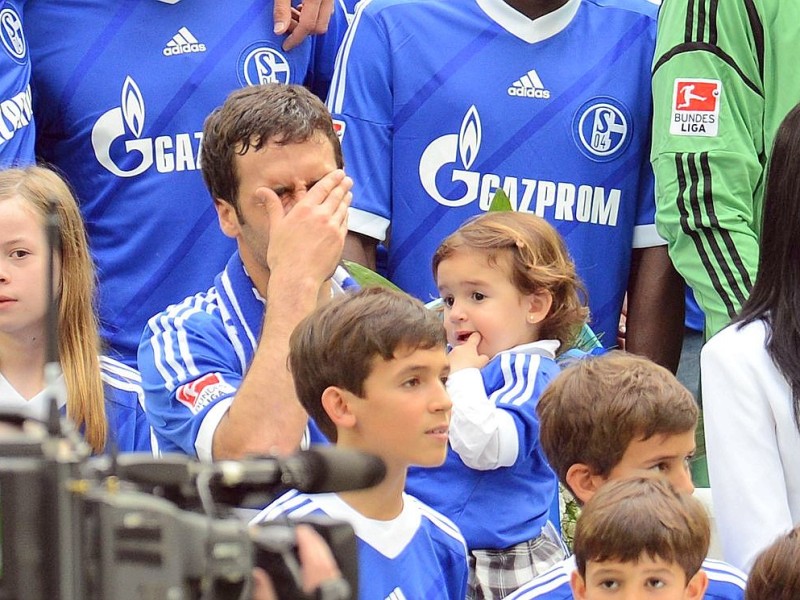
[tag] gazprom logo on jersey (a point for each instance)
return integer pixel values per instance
(119, 146)
(602, 129)
(260, 63)
(559, 200)
(11, 34)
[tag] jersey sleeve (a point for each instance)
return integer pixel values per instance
(361, 102)
(189, 378)
(128, 428)
(484, 436)
(515, 382)
(707, 151)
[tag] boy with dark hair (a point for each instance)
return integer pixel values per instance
(638, 538)
(370, 370)
(613, 417)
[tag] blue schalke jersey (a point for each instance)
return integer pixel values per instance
(128, 429)
(514, 380)
(419, 554)
(725, 582)
(441, 103)
(16, 114)
(121, 90)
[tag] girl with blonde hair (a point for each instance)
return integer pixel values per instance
(103, 397)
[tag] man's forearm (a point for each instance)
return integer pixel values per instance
(360, 249)
(266, 416)
(655, 307)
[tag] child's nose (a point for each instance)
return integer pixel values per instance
(456, 312)
(682, 480)
(442, 401)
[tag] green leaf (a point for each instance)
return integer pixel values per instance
(587, 339)
(366, 277)
(500, 202)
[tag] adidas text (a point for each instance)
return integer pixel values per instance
(528, 92)
(184, 48)
(183, 42)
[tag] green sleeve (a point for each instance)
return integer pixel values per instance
(709, 162)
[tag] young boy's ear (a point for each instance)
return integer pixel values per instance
(696, 588)
(539, 305)
(578, 585)
(336, 403)
(583, 482)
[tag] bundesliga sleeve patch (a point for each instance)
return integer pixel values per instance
(695, 107)
(198, 394)
(338, 128)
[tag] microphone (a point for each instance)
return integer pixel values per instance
(320, 469)
(52, 367)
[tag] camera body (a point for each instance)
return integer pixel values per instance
(135, 527)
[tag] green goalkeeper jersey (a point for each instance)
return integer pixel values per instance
(725, 74)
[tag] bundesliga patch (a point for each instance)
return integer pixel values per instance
(695, 107)
(338, 128)
(198, 394)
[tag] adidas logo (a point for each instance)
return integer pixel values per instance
(183, 42)
(528, 86)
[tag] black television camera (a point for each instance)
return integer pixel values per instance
(80, 528)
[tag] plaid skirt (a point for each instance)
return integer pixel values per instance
(494, 574)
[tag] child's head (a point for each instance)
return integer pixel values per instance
(27, 192)
(613, 416)
(775, 574)
(370, 368)
(508, 276)
(25, 195)
(641, 538)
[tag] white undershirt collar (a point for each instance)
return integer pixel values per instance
(529, 30)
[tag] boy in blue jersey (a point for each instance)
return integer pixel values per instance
(613, 417)
(640, 538)
(370, 370)
(120, 92)
(442, 103)
(214, 366)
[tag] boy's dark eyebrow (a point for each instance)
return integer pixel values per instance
(411, 369)
(666, 456)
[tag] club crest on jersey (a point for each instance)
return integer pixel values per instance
(602, 128)
(11, 34)
(451, 175)
(695, 107)
(260, 63)
(197, 394)
(119, 146)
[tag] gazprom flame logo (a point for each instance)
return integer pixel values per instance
(449, 149)
(124, 121)
(133, 107)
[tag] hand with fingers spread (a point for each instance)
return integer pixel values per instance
(466, 356)
(311, 17)
(307, 241)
